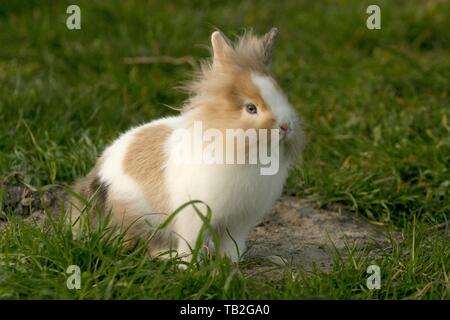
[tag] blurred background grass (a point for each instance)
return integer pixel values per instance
(375, 102)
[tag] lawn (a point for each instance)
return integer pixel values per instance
(375, 105)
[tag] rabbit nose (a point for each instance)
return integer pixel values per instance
(284, 127)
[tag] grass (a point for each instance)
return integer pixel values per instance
(375, 106)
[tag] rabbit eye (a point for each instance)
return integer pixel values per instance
(251, 108)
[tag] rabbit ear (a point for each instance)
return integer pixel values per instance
(221, 48)
(268, 44)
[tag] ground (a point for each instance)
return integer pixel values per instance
(302, 234)
(375, 107)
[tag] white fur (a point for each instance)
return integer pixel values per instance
(238, 195)
(275, 99)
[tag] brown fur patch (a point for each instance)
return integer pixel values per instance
(223, 106)
(92, 190)
(144, 162)
(123, 221)
(247, 55)
(221, 90)
(250, 53)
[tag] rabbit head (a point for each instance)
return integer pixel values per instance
(236, 89)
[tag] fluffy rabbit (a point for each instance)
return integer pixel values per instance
(140, 182)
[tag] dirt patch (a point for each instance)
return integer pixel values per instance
(298, 232)
(295, 232)
(27, 202)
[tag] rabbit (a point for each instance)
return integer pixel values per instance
(139, 181)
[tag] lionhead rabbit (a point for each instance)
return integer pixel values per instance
(140, 181)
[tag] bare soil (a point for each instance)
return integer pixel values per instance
(300, 233)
